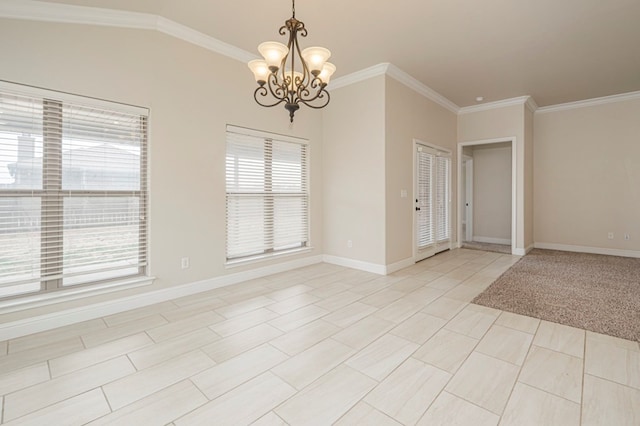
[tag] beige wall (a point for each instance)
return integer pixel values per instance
(501, 123)
(410, 116)
(528, 178)
(192, 94)
(587, 176)
(492, 191)
(354, 172)
(368, 160)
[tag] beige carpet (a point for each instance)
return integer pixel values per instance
(595, 292)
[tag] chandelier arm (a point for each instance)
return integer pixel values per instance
(320, 95)
(304, 92)
(281, 91)
(262, 91)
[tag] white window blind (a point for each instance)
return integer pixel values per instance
(425, 199)
(267, 194)
(443, 198)
(72, 191)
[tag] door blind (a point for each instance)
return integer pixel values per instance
(424, 202)
(267, 195)
(72, 191)
(443, 165)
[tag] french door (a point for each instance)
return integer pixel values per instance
(432, 201)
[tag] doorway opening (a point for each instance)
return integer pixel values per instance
(487, 195)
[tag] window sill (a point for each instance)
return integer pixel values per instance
(265, 257)
(44, 299)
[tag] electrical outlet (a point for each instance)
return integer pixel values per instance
(349, 243)
(627, 237)
(610, 235)
(184, 262)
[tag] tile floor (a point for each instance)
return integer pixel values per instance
(326, 345)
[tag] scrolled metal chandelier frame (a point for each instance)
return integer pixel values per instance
(278, 77)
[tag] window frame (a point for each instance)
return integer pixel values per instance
(52, 196)
(268, 235)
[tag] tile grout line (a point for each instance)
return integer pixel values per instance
(550, 393)
(584, 374)
(111, 410)
(612, 382)
(520, 370)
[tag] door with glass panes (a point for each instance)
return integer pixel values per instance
(432, 216)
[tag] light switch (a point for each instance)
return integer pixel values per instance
(403, 193)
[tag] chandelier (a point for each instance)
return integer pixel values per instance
(290, 76)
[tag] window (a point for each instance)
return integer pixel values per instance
(72, 191)
(267, 194)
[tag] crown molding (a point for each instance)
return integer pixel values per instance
(358, 76)
(521, 100)
(590, 102)
(531, 104)
(71, 14)
(398, 75)
(192, 36)
(419, 87)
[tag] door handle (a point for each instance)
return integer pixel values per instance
(417, 209)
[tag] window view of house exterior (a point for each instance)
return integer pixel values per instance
(72, 193)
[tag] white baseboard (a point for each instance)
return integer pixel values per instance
(522, 251)
(390, 269)
(491, 240)
(586, 249)
(355, 264)
(11, 330)
(73, 293)
(367, 266)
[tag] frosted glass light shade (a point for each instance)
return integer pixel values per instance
(273, 53)
(327, 72)
(260, 70)
(315, 57)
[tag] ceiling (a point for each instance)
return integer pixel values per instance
(557, 51)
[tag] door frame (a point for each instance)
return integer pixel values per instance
(514, 186)
(416, 254)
